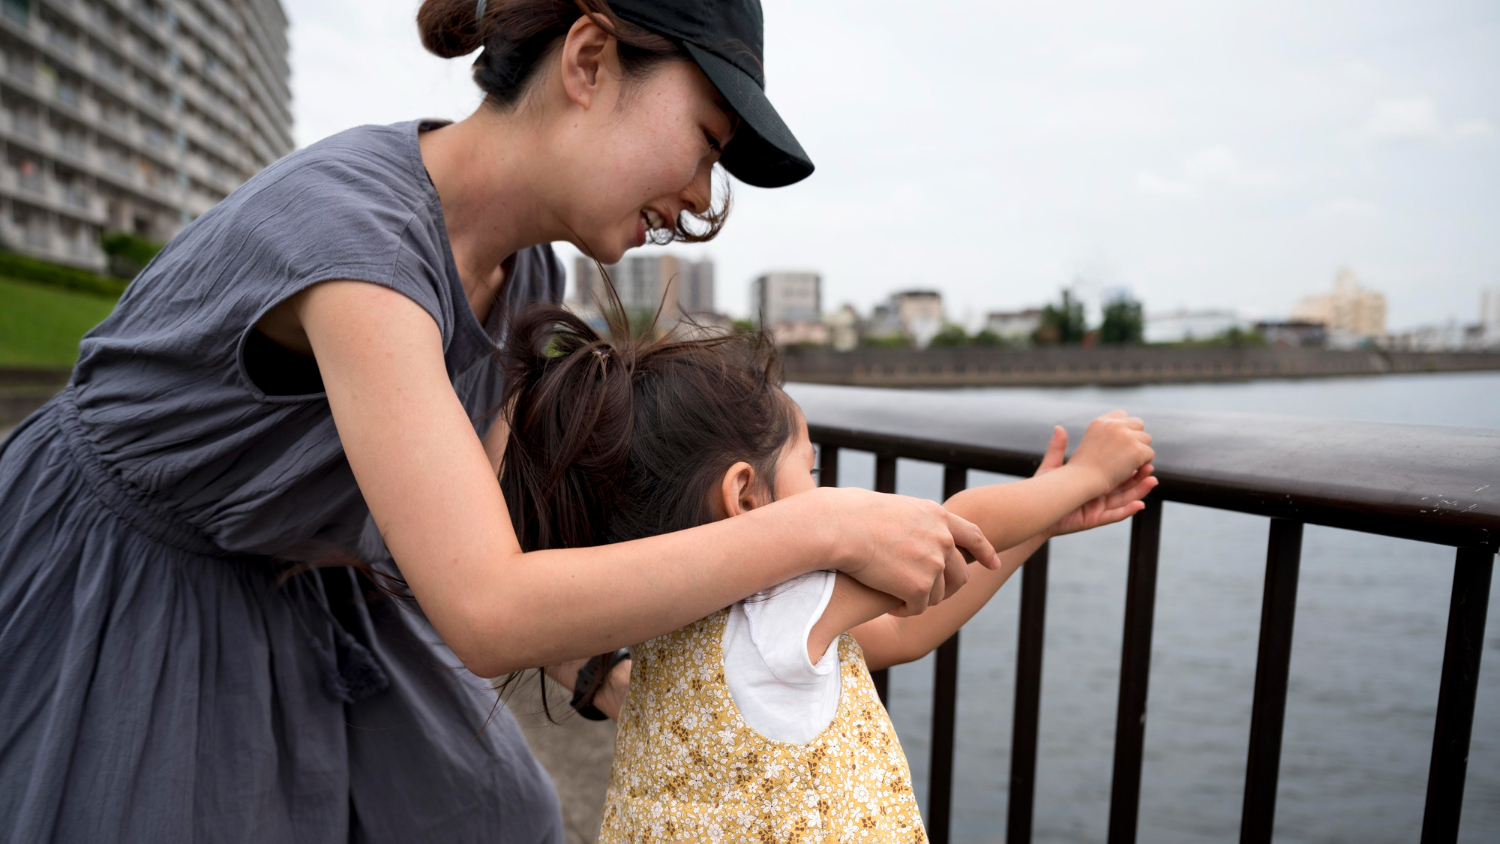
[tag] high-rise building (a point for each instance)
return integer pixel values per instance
(1350, 310)
(695, 286)
(782, 297)
(648, 282)
(133, 115)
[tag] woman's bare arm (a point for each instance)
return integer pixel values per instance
(431, 487)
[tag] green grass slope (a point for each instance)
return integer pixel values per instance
(40, 325)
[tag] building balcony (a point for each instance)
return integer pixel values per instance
(72, 200)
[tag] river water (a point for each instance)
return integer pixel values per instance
(1368, 647)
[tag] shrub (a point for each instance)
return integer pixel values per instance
(951, 336)
(128, 253)
(27, 268)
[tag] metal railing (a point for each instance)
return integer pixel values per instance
(1437, 485)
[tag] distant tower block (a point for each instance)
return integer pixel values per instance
(1350, 309)
(648, 282)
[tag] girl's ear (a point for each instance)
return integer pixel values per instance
(736, 493)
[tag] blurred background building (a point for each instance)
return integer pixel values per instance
(1014, 327)
(133, 116)
(644, 283)
(920, 313)
(784, 297)
(1350, 314)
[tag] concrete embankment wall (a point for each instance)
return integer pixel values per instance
(1052, 366)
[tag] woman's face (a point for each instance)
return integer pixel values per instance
(653, 148)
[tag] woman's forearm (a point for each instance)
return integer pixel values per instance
(548, 607)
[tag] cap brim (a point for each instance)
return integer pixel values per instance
(763, 152)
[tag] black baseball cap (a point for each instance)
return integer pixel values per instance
(726, 38)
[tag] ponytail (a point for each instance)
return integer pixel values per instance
(613, 440)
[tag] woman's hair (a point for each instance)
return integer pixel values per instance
(517, 36)
(613, 440)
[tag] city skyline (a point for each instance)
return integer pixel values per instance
(1232, 155)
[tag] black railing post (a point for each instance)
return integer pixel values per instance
(1023, 733)
(1135, 671)
(828, 465)
(885, 481)
(1268, 710)
(944, 707)
(1455, 710)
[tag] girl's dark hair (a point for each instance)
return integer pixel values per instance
(517, 36)
(613, 440)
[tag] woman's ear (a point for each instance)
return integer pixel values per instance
(736, 492)
(585, 56)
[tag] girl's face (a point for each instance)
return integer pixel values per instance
(796, 470)
(652, 147)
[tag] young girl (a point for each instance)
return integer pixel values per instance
(759, 722)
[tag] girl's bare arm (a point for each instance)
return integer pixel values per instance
(1016, 516)
(431, 487)
(888, 640)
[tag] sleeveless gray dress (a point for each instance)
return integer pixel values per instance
(159, 684)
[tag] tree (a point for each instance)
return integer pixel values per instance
(744, 326)
(989, 339)
(1063, 323)
(950, 336)
(1124, 323)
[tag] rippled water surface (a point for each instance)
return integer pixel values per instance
(1370, 625)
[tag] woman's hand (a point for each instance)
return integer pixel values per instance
(909, 548)
(1118, 504)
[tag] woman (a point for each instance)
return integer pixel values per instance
(314, 352)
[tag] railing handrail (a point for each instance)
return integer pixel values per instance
(1421, 482)
(1431, 483)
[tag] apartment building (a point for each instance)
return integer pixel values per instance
(779, 297)
(646, 282)
(133, 115)
(1350, 310)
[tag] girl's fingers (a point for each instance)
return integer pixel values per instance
(1057, 448)
(1135, 492)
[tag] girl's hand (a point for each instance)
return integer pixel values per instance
(908, 548)
(1114, 448)
(1118, 504)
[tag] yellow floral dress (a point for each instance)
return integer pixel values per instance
(687, 768)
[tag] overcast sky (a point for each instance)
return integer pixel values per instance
(1231, 154)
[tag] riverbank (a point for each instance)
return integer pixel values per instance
(1119, 366)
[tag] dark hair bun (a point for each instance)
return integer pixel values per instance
(450, 28)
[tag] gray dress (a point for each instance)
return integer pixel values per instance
(159, 684)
